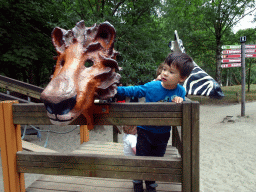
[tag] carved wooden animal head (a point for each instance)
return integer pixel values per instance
(85, 69)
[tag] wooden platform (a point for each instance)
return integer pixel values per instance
(49, 183)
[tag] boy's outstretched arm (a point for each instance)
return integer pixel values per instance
(132, 91)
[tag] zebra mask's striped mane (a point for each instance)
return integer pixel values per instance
(199, 82)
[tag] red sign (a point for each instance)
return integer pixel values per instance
(230, 60)
(250, 50)
(237, 51)
(250, 55)
(231, 51)
(231, 65)
(231, 56)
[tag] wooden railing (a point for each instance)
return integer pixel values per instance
(184, 170)
(20, 87)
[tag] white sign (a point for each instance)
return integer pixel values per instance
(231, 47)
(238, 46)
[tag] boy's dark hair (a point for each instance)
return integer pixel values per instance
(159, 69)
(182, 61)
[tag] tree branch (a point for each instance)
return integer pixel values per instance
(90, 5)
(232, 24)
(117, 6)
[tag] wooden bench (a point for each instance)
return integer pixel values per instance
(100, 166)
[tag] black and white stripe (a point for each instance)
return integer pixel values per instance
(199, 82)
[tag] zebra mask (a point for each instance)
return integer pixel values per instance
(199, 82)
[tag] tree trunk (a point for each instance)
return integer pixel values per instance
(218, 60)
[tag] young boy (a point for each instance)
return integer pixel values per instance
(152, 140)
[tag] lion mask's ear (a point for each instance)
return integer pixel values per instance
(61, 39)
(106, 35)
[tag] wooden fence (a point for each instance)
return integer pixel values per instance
(186, 138)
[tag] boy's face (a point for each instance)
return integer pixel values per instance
(170, 77)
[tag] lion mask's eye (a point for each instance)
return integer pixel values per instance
(88, 63)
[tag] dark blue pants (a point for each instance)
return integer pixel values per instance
(151, 144)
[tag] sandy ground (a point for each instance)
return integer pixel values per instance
(227, 147)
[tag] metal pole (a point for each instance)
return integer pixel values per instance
(243, 40)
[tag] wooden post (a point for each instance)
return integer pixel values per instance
(195, 147)
(84, 134)
(186, 152)
(10, 136)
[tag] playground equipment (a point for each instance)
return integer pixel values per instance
(182, 169)
(69, 100)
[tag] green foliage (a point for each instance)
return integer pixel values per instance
(206, 25)
(26, 51)
(143, 28)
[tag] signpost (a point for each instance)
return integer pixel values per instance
(243, 40)
(234, 56)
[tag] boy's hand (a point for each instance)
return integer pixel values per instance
(177, 99)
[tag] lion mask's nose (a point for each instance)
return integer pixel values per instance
(60, 108)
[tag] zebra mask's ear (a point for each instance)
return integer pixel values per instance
(199, 82)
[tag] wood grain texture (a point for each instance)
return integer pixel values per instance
(48, 183)
(104, 166)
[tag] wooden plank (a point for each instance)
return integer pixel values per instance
(31, 121)
(81, 184)
(29, 107)
(95, 146)
(12, 147)
(33, 114)
(4, 155)
(21, 84)
(111, 115)
(5, 97)
(114, 107)
(96, 149)
(20, 87)
(29, 113)
(99, 159)
(82, 168)
(93, 165)
(138, 121)
(186, 142)
(177, 139)
(35, 148)
(84, 134)
(19, 148)
(195, 147)
(146, 107)
(167, 177)
(135, 114)
(169, 154)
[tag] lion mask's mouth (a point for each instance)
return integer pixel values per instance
(61, 119)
